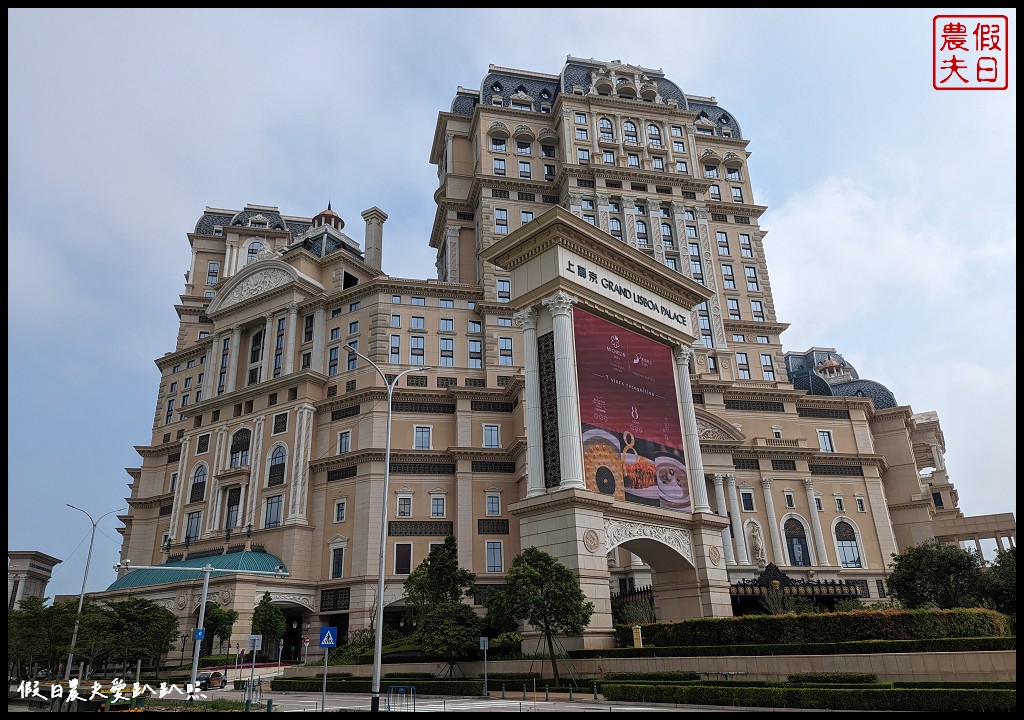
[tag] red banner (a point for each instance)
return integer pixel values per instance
(632, 440)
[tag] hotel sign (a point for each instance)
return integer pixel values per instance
(621, 291)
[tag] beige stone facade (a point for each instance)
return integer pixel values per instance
(269, 435)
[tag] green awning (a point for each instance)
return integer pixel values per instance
(264, 562)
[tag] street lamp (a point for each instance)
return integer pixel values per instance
(184, 639)
(85, 577)
(206, 570)
(379, 620)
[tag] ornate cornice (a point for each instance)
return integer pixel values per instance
(148, 451)
(618, 531)
(151, 501)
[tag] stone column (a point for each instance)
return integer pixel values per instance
(289, 343)
(300, 463)
(22, 580)
(773, 524)
(319, 327)
(569, 441)
(694, 460)
(212, 367)
(730, 558)
(977, 547)
(819, 539)
(527, 319)
(236, 340)
(737, 522)
(269, 340)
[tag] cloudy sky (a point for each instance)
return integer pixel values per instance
(891, 222)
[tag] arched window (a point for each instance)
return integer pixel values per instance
(796, 543)
(254, 250)
(615, 227)
(846, 542)
(277, 462)
(641, 233)
(198, 490)
(654, 134)
(606, 129)
(240, 448)
(666, 235)
(629, 131)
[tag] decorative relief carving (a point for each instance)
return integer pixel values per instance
(715, 555)
(300, 599)
(257, 284)
(617, 532)
(181, 599)
(591, 540)
(710, 432)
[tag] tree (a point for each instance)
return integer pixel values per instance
(268, 620)
(546, 594)
(140, 629)
(220, 622)
(438, 580)
(935, 574)
(450, 630)
(1001, 582)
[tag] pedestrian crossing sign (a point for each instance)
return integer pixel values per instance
(328, 637)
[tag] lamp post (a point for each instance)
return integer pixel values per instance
(85, 577)
(378, 634)
(184, 639)
(206, 570)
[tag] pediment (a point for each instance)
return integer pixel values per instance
(713, 429)
(258, 278)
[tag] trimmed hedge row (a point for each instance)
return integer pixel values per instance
(365, 685)
(915, 700)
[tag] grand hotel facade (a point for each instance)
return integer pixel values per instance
(597, 370)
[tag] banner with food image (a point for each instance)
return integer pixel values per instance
(632, 439)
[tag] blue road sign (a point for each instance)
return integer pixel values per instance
(328, 637)
(200, 633)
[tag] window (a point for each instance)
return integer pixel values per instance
(279, 347)
(747, 500)
(547, 151)
(353, 327)
(332, 360)
(582, 156)
(504, 322)
(736, 337)
(723, 242)
(677, 131)
(654, 134)
(629, 131)
(476, 356)
(416, 346)
(492, 436)
(817, 504)
(404, 506)
(446, 303)
(742, 366)
(188, 380)
(275, 475)
(505, 351)
(581, 133)
(421, 437)
(840, 505)
(587, 204)
(604, 125)
(414, 300)
(233, 503)
(613, 206)
(634, 159)
(737, 194)
(335, 333)
(336, 312)
(715, 192)
(446, 324)
(240, 448)
(751, 274)
(846, 545)
(499, 166)
(173, 388)
(493, 504)
(790, 500)
(416, 322)
(658, 163)
(272, 516)
(403, 558)
(437, 506)
(767, 369)
(796, 543)
(608, 157)
(192, 524)
(825, 441)
(704, 321)
(504, 290)
(501, 221)
(198, 490)
(344, 441)
(525, 216)
(254, 250)
(641, 233)
(174, 481)
(615, 227)
(549, 172)
(522, 148)
(475, 326)
(340, 507)
(682, 168)
(396, 349)
(733, 304)
(666, 235)
(762, 339)
(307, 360)
(497, 144)
(711, 171)
(494, 560)
(745, 248)
(396, 299)
(757, 310)
(581, 118)
(590, 219)
(337, 562)
(861, 507)
(212, 272)
(672, 263)
(691, 232)
(396, 320)
(524, 170)
(729, 283)
(446, 351)
(677, 146)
